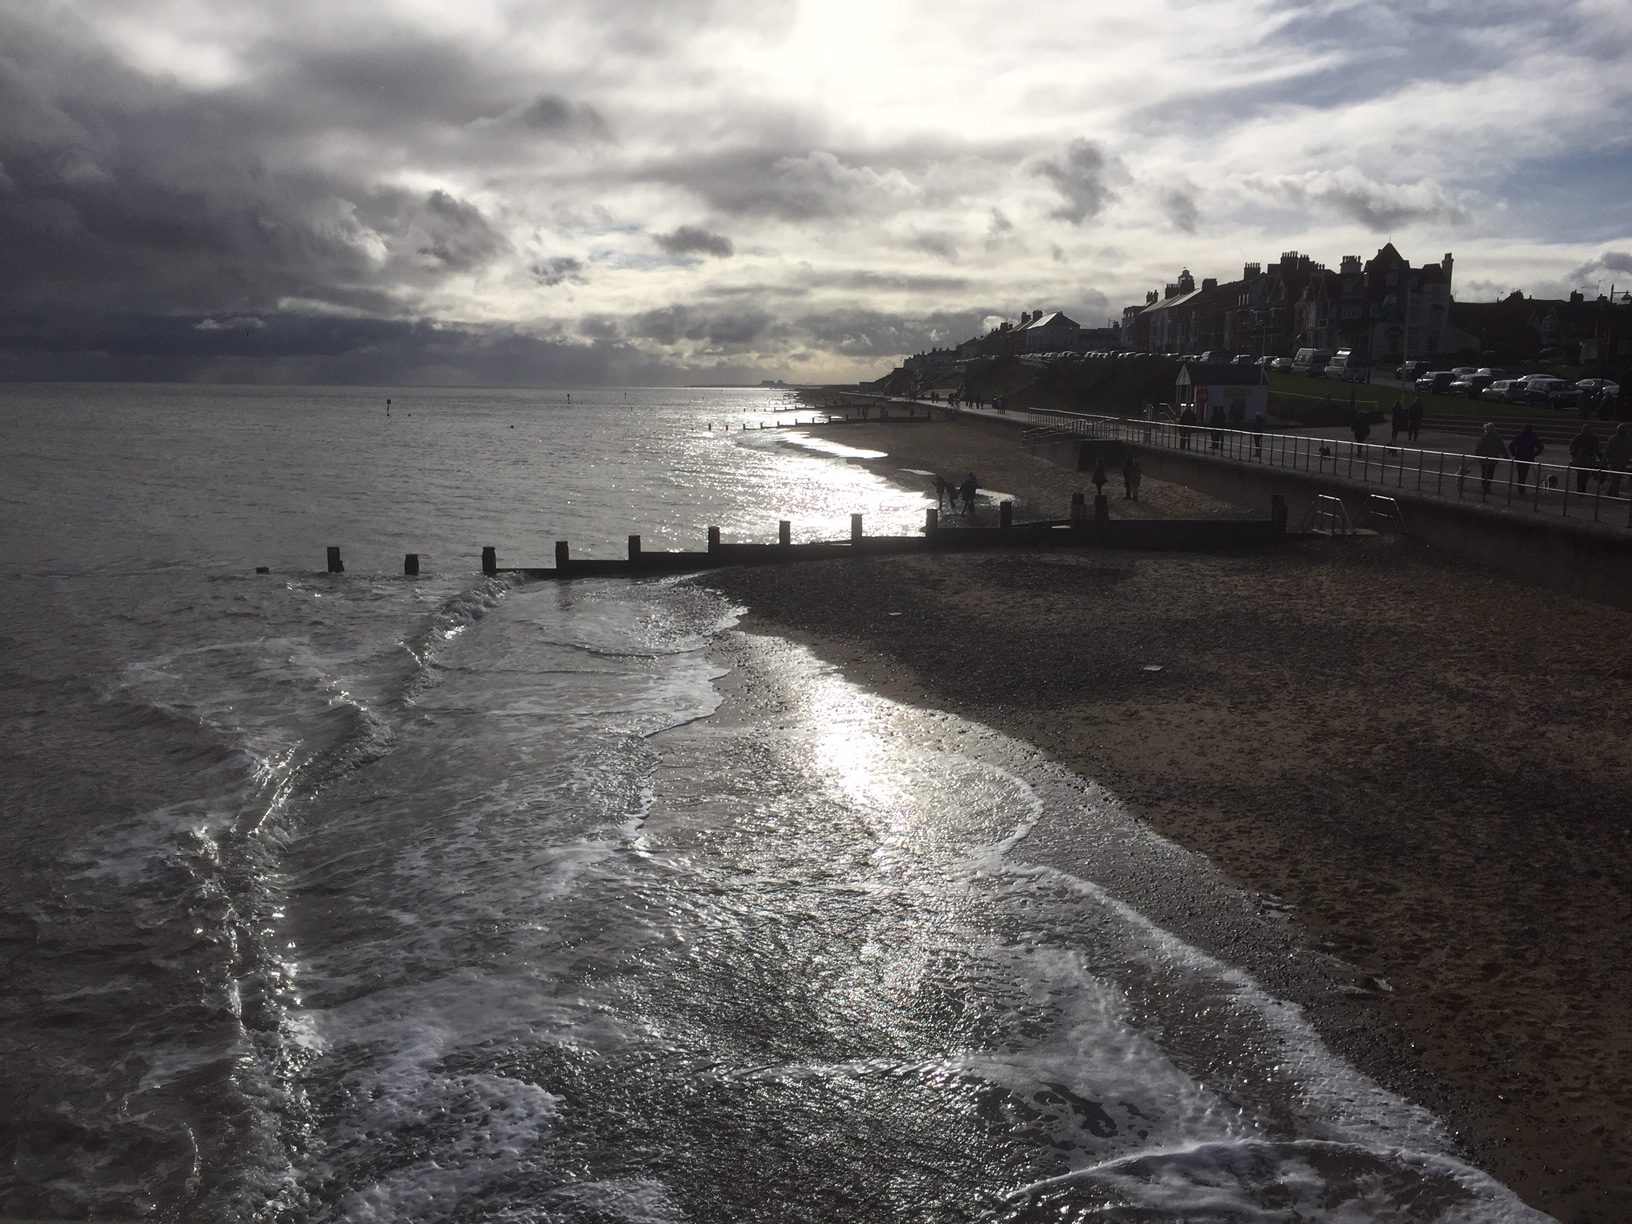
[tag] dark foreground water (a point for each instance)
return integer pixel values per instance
(454, 899)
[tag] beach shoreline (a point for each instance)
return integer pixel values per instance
(1422, 767)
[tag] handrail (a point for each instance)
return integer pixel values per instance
(1591, 491)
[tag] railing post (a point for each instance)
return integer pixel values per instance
(490, 560)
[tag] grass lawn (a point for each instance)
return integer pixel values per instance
(1382, 398)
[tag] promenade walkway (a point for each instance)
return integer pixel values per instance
(1446, 468)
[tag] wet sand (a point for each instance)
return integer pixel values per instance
(1426, 769)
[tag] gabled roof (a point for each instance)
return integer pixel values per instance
(1176, 300)
(1195, 374)
(1055, 319)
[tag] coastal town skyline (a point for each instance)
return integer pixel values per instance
(670, 194)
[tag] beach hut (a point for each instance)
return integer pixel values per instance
(1242, 389)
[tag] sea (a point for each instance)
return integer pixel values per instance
(364, 897)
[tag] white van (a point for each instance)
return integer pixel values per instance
(1347, 366)
(1310, 361)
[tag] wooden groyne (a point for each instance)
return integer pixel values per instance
(1081, 530)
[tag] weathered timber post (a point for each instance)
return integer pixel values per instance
(1005, 516)
(410, 565)
(784, 533)
(932, 525)
(336, 566)
(562, 558)
(713, 540)
(1079, 507)
(1102, 509)
(1277, 515)
(634, 548)
(490, 560)
(855, 529)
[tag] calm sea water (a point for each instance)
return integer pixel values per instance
(368, 898)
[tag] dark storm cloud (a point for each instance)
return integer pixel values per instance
(693, 240)
(551, 116)
(1081, 177)
(1179, 203)
(674, 325)
(938, 245)
(456, 235)
(875, 334)
(315, 348)
(1379, 207)
(1610, 261)
(558, 271)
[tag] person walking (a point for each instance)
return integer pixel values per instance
(1099, 477)
(1413, 420)
(1491, 450)
(1218, 421)
(967, 492)
(940, 490)
(1361, 425)
(1585, 456)
(1398, 423)
(1526, 449)
(1187, 420)
(1131, 474)
(1618, 456)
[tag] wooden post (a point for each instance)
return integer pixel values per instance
(336, 566)
(561, 557)
(932, 524)
(1102, 508)
(784, 533)
(713, 540)
(490, 560)
(410, 565)
(1005, 516)
(1079, 507)
(634, 548)
(855, 529)
(1277, 514)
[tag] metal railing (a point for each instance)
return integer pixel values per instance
(1592, 493)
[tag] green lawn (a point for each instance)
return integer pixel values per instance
(1382, 398)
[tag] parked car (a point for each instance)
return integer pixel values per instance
(1245, 359)
(1599, 385)
(1505, 391)
(1470, 385)
(1437, 381)
(1281, 363)
(1311, 361)
(1411, 369)
(1346, 365)
(1492, 375)
(1545, 389)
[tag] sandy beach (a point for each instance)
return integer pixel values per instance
(1425, 769)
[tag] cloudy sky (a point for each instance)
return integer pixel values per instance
(576, 192)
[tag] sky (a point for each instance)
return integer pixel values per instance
(663, 192)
